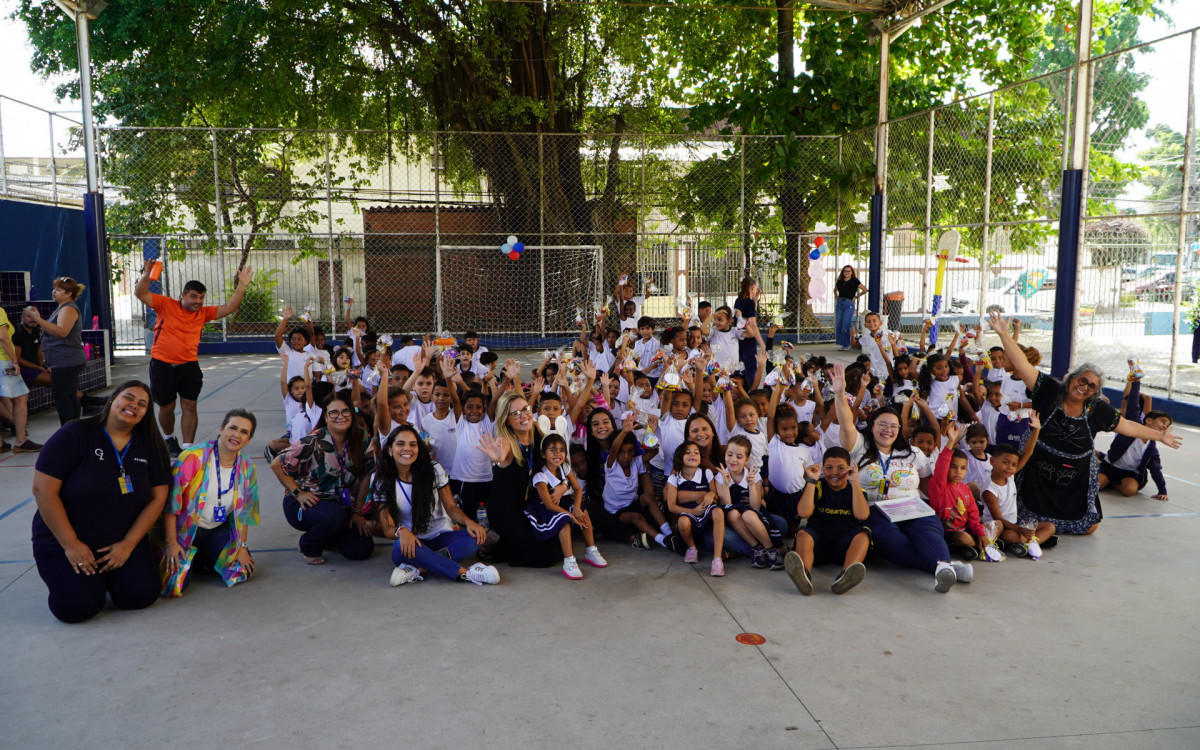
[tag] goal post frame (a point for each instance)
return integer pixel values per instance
(598, 271)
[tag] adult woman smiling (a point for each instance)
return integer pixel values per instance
(1059, 484)
(214, 501)
(511, 452)
(415, 507)
(848, 289)
(325, 479)
(890, 472)
(100, 485)
(62, 347)
(700, 430)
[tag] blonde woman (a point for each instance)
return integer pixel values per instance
(512, 453)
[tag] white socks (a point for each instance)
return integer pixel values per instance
(661, 539)
(665, 529)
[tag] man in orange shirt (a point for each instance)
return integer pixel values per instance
(174, 362)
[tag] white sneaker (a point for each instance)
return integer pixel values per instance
(1035, 549)
(944, 577)
(571, 569)
(963, 571)
(480, 574)
(592, 557)
(405, 573)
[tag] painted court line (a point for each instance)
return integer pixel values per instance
(1177, 479)
(1158, 515)
(16, 507)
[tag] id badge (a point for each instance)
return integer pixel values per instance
(219, 513)
(345, 497)
(125, 484)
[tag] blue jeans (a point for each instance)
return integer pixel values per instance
(843, 321)
(919, 544)
(734, 543)
(460, 544)
(326, 525)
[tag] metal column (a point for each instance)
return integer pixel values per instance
(220, 228)
(987, 206)
(334, 307)
(1189, 147)
(542, 233)
(437, 235)
(928, 212)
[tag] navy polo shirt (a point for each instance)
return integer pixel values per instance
(85, 460)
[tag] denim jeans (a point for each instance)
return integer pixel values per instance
(460, 544)
(326, 525)
(919, 544)
(844, 320)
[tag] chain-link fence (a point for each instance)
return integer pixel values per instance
(41, 154)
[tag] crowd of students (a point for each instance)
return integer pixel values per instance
(702, 438)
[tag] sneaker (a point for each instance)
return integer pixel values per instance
(640, 541)
(1016, 549)
(479, 574)
(27, 447)
(795, 570)
(571, 569)
(843, 348)
(269, 454)
(592, 557)
(1050, 543)
(849, 578)
(675, 543)
(717, 568)
(967, 553)
(5, 447)
(944, 577)
(173, 447)
(963, 572)
(1035, 549)
(692, 555)
(760, 558)
(775, 558)
(405, 573)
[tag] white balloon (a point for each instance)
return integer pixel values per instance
(512, 239)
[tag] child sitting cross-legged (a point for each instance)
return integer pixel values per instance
(1000, 498)
(836, 510)
(950, 496)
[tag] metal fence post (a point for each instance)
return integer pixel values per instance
(53, 161)
(1189, 146)
(437, 235)
(219, 224)
(928, 212)
(333, 297)
(542, 233)
(743, 234)
(987, 205)
(3, 165)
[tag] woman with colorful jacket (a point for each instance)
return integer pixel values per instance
(214, 501)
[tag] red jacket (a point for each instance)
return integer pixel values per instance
(954, 503)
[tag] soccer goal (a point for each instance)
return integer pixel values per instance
(528, 303)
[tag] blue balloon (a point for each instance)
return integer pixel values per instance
(506, 248)
(519, 247)
(814, 254)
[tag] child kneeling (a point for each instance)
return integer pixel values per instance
(836, 510)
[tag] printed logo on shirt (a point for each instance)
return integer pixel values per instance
(140, 460)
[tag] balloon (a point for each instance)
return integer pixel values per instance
(819, 241)
(519, 247)
(513, 255)
(814, 254)
(506, 248)
(512, 239)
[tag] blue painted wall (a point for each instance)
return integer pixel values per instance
(48, 242)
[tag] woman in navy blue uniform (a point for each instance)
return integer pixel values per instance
(100, 484)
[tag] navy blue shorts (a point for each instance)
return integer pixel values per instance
(830, 543)
(1116, 476)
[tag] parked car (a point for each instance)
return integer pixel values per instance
(1003, 295)
(1162, 289)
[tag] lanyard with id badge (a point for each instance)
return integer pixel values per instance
(220, 513)
(123, 481)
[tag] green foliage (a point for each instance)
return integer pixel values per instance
(260, 304)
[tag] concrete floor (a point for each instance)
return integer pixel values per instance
(1094, 646)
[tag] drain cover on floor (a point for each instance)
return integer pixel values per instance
(751, 639)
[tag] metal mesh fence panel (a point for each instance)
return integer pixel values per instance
(41, 155)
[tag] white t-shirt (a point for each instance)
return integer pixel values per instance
(879, 358)
(987, 417)
(292, 408)
(1011, 390)
(417, 411)
(546, 477)
(295, 359)
(943, 397)
(670, 437)
(903, 391)
(716, 412)
(724, 345)
(621, 489)
(470, 463)
(439, 522)
(1132, 458)
(603, 357)
(979, 471)
(645, 350)
(304, 423)
(629, 324)
(903, 473)
(1006, 499)
(805, 411)
(355, 336)
(206, 520)
(405, 356)
(787, 465)
(443, 437)
(758, 445)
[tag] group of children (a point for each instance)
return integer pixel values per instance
(655, 438)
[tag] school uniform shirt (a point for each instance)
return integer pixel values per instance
(758, 445)
(943, 397)
(353, 337)
(987, 417)
(439, 522)
(891, 474)
(548, 478)
(629, 324)
(404, 356)
(833, 510)
(295, 360)
(621, 489)
(83, 458)
(303, 423)
(602, 357)
(739, 489)
(880, 355)
(698, 483)
(805, 411)
(1131, 459)
(670, 437)
(470, 463)
(644, 351)
(979, 471)
(903, 390)
(1012, 390)
(443, 437)
(787, 465)
(724, 345)
(418, 410)
(716, 412)
(1006, 501)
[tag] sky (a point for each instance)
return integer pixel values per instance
(26, 132)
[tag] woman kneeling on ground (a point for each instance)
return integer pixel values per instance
(213, 503)
(325, 479)
(100, 485)
(412, 495)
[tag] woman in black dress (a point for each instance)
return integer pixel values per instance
(512, 454)
(1060, 482)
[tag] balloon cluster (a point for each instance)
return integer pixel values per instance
(512, 248)
(447, 346)
(819, 248)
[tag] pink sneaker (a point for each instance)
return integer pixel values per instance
(691, 556)
(718, 567)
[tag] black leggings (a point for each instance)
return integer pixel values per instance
(64, 386)
(75, 597)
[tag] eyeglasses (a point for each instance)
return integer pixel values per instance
(519, 412)
(887, 427)
(1084, 382)
(341, 413)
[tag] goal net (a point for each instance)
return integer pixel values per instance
(528, 303)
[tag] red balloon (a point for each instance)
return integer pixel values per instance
(513, 255)
(819, 241)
